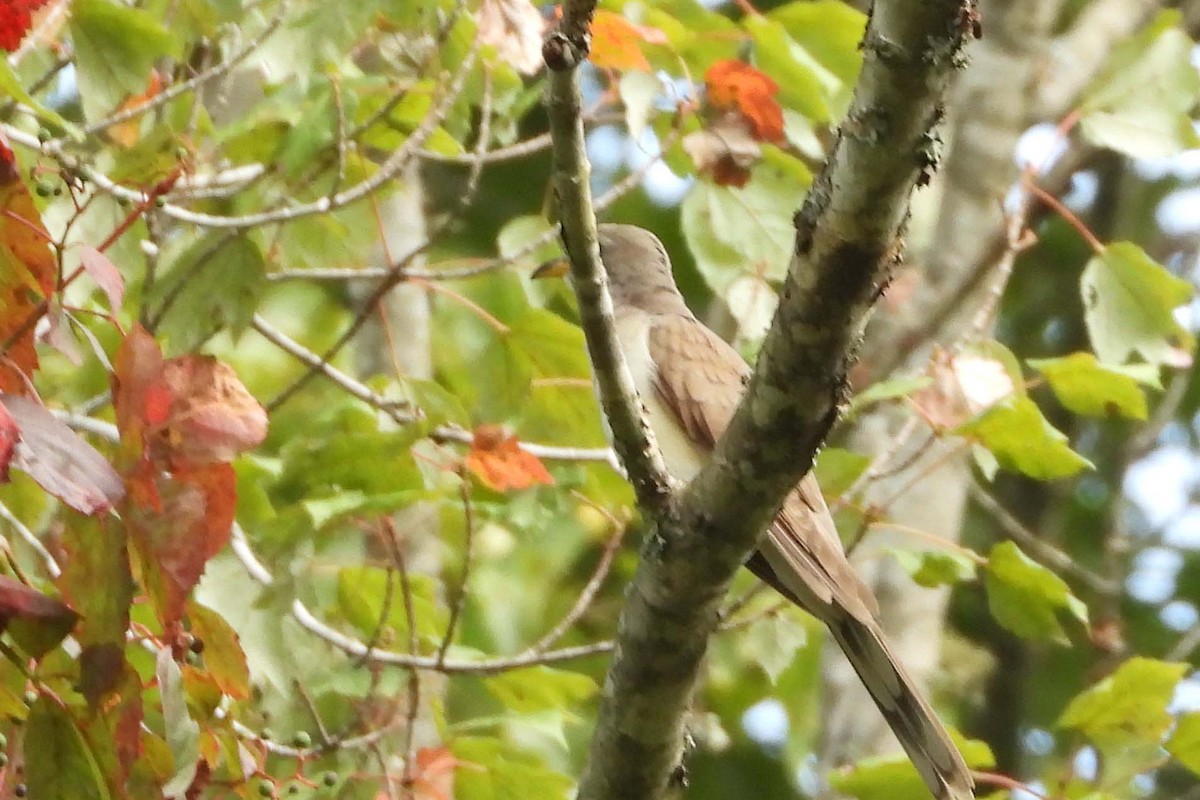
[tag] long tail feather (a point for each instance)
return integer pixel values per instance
(912, 720)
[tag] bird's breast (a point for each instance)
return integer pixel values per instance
(682, 456)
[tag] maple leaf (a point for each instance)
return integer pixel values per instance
(497, 459)
(16, 17)
(615, 43)
(734, 85)
(27, 275)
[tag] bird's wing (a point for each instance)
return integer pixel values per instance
(700, 378)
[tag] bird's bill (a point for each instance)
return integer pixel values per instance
(554, 268)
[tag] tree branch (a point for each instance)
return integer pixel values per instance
(632, 437)
(848, 241)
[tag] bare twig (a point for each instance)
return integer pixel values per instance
(1040, 550)
(460, 592)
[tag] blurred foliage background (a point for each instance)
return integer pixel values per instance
(344, 203)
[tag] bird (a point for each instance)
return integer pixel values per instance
(690, 381)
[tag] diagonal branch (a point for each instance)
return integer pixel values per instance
(848, 241)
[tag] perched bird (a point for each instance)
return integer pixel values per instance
(690, 381)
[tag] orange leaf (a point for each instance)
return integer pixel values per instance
(497, 459)
(213, 417)
(127, 133)
(733, 85)
(27, 275)
(615, 43)
(434, 778)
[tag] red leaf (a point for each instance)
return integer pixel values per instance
(105, 274)
(27, 273)
(733, 85)
(500, 464)
(36, 622)
(60, 460)
(726, 150)
(140, 395)
(16, 17)
(9, 434)
(18, 601)
(177, 522)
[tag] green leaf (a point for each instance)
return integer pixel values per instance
(1128, 707)
(559, 405)
(10, 84)
(830, 30)
(527, 691)
(638, 90)
(734, 232)
(1022, 440)
(98, 582)
(59, 765)
(932, 568)
(772, 641)
(881, 779)
(377, 608)
(883, 391)
(896, 778)
(1129, 302)
(182, 732)
(115, 48)
(1139, 106)
(224, 659)
(324, 510)
(1028, 599)
(214, 286)
(837, 470)
(500, 772)
(1085, 386)
(1184, 743)
(339, 460)
(804, 85)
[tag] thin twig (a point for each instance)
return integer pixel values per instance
(31, 539)
(584, 601)
(1040, 550)
(460, 592)
(214, 72)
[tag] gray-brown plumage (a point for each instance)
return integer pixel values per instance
(690, 381)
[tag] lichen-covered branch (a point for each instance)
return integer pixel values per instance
(849, 238)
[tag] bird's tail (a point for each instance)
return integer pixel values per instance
(908, 714)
